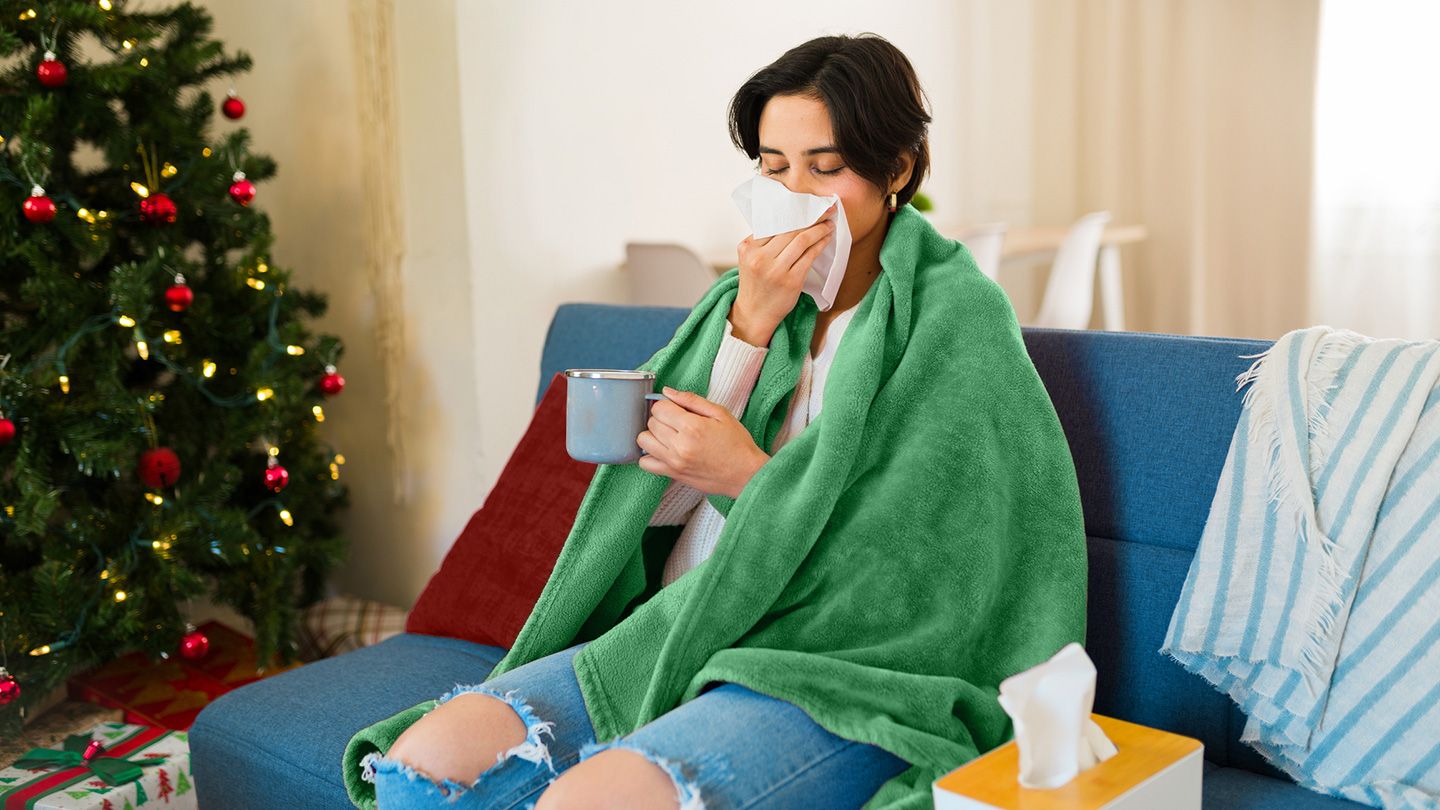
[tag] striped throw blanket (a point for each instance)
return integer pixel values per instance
(1313, 599)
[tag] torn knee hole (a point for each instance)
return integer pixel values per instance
(687, 793)
(532, 748)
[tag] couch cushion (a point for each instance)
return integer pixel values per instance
(495, 570)
(278, 742)
(1236, 789)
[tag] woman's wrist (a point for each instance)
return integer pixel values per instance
(757, 461)
(749, 331)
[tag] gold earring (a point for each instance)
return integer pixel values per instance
(893, 202)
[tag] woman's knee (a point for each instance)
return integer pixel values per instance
(461, 738)
(613, 778)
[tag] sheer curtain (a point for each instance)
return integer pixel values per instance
(1195, 120)
(1375, 257)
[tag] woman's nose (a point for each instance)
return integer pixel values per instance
(800, 187)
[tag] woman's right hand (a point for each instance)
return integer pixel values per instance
(772, 274)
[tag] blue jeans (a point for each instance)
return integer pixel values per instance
(729, 748)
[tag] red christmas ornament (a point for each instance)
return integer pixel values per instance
(51, 71)
(194, 644)
(179, 297)
(9, 688)
(332, 383)
(94, 749)
(276, 476)
(157, 209)
(7, 431)
(233, 107)
(242, 191)
(39, 208)
(159, 467)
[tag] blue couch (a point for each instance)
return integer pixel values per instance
(1149, 418)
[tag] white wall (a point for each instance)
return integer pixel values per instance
(588, 125)
(536, 139)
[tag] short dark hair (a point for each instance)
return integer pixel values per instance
(877, 107)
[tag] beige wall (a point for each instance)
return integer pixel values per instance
(535, 139)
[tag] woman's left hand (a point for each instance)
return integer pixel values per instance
(700, 443)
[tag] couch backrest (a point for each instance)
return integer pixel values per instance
(1149, 419)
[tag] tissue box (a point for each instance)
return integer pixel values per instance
(79, 788)
(1152, 768)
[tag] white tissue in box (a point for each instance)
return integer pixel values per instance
(1050, 705)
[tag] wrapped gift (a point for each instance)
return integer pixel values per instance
(116, 766)
(169, 693)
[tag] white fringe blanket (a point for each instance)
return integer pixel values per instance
(1313, 599)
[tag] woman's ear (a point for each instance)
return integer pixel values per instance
(907, 165)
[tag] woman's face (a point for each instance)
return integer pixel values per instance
(798, 149)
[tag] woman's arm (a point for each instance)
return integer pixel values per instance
(732, 380)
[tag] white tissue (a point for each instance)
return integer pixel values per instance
(770, 208)
(1050, 705)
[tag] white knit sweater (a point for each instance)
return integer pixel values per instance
(736, 370)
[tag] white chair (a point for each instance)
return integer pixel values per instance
(1070, 291)
(985, 242)
(665, 274)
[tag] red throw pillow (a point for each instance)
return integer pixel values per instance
(493, 574)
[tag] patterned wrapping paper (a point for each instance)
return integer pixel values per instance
(169, 693)
(167, 784)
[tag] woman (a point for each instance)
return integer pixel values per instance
(777, 608)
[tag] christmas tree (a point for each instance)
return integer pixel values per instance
(159, 387)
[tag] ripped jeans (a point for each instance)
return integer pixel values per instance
(729, 748)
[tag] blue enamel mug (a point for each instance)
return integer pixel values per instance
(606, 410)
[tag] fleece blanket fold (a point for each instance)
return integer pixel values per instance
(885, 570)
(1311, 600)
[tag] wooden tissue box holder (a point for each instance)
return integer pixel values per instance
(1151, 768)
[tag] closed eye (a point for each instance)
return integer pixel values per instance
(836, 170)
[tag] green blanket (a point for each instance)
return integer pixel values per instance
(916, 544)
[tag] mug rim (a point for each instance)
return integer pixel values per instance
(610, 373)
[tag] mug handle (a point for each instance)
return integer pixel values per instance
(649, 398)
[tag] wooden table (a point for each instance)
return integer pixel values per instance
(1029, 242)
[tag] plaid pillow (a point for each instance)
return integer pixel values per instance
(344, 623)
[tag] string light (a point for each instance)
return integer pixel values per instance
(105, 574)
(144, 349)
(140, 189)
(264, 394)
(262, 267)
(119, 596)
(256, 283)
(43, 649)
(319, 413)
(172, 336)
(154, 498)
(125, 320)
(295, 351)
(168, 170)
(27, 14)
(286, 518)
(105, 5)
(64, 384)
(207, 151)
(85, 214)
(274, 451)
(9, 510)
(144, 61)
(127, 44)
